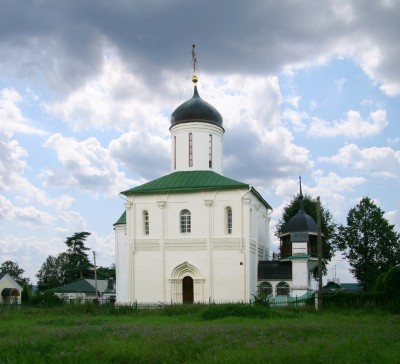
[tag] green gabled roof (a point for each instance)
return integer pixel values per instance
(122, 219)
(79, 286)
(85, 286)
(186, 181)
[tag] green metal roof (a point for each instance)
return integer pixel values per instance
(85, 286)
(186, 181)
(79, 286)
(122, 219)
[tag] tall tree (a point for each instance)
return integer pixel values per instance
(14, 271)
(328, 225)
(78, 266)
(53, 272)
(370, 242)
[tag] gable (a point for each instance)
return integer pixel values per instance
(6, 281)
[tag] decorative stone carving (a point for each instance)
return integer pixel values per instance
(185, 244)
(147, 244)
(226, 244)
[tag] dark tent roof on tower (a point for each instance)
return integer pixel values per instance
(196, 109)
(301, 222)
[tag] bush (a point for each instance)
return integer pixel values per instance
(47, 298)
(355, 300)
(392, 283)
(262, 298)
(380, 283)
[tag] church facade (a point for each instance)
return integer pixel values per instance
(195, 235)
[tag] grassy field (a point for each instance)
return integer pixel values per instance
(194, 334)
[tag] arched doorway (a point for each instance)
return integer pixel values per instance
(186, 284)
(10, 295)
(187, 290)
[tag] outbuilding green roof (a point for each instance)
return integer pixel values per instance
(85, 286)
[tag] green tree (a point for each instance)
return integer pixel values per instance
(370, 242)
(14, 271)
(78, 266)
(25, 295)
(328, 226)
(106, 272)
(53, 272)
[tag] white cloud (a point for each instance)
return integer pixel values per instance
(11, 118)
(113, 99)
(383, 162)
(340, 83)
(293, 100)
(73, 221)
(353, 127)
(86, 165)
(145, 154)
(296, 118)
(28, 216)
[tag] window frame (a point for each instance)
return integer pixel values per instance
(228, 220)
(146, 223)
(190, 150)
(185, 221)
(282, 289)
(266, 287)
(210, 151)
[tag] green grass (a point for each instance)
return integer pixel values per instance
(197, 334)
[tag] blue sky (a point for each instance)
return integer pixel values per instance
(87, 88)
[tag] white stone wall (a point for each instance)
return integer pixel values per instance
(223, 266)
(200, 133)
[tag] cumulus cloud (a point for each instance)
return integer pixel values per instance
(296, 119)
(353, 126)
(378, 161)
(11, 117)
(262, 37)
(29, 215)
(85, 165)
(145, 154)
(113, 99)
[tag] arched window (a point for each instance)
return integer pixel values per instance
(185, 222)
(228, 219)
(190, 150)
(146, 225)
(266, 288)
(282, 289)
(210, 146)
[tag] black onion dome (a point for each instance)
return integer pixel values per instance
(301, 222)
(196, 109)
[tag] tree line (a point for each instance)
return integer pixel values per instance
(64, 268)
(368, 241)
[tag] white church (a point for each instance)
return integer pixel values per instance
(195, 235)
